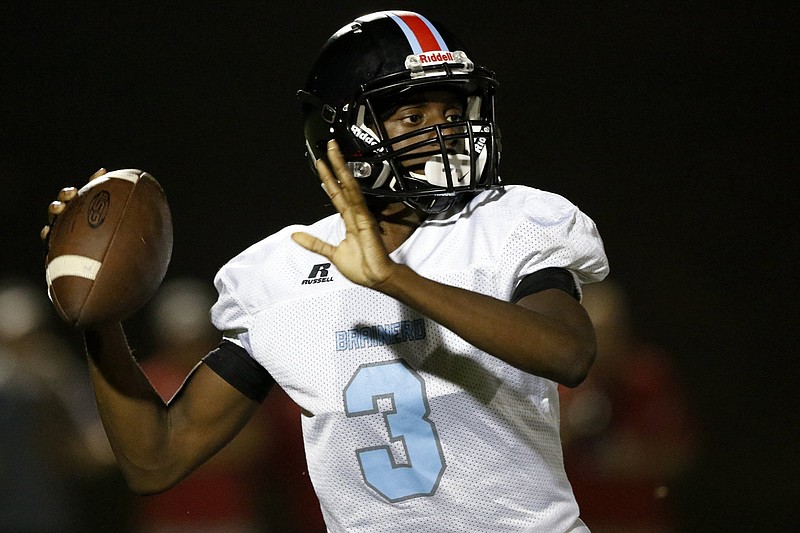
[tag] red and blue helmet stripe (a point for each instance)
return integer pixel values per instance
(422, 35)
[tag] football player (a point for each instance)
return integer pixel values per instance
(423, 328)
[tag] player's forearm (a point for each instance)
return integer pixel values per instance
(133, 414)
(530, 341)
(157, 445)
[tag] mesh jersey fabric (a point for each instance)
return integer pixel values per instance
(408, 426)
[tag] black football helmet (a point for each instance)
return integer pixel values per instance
(376, 62)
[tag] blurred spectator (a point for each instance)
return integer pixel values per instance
(626, 430)
(258, 483)
(53, 452)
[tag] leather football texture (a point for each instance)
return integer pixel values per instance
(109, 250)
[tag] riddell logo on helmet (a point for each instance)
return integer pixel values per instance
(363, 135)
(437, 57)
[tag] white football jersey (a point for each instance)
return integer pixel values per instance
(407, 427)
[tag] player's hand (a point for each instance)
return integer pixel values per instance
(57, 207)
(361, 257)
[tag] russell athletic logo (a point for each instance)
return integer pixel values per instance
(319, 274)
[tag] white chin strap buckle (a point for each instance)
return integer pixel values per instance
(436, 174)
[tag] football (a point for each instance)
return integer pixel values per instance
(108, 251)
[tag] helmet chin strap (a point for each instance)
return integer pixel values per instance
(431, 204)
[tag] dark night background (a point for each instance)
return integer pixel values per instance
(672, 124)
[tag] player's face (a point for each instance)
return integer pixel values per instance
(423, 110)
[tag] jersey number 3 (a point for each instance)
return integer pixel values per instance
(407, 423)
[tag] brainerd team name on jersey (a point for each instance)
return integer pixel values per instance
(380, 335)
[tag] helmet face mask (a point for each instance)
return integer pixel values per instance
(368, 69)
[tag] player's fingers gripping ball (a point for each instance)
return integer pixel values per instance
(109, 247)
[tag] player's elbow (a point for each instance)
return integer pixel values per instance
(576, 363)
(151, 474)
(147, 482)
(141, 488)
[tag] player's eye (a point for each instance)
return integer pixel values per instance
(413, 119)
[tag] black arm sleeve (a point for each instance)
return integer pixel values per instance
(233, 364)
(547, 278)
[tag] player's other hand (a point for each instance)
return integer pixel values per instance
(361, 257)
(57, 207)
